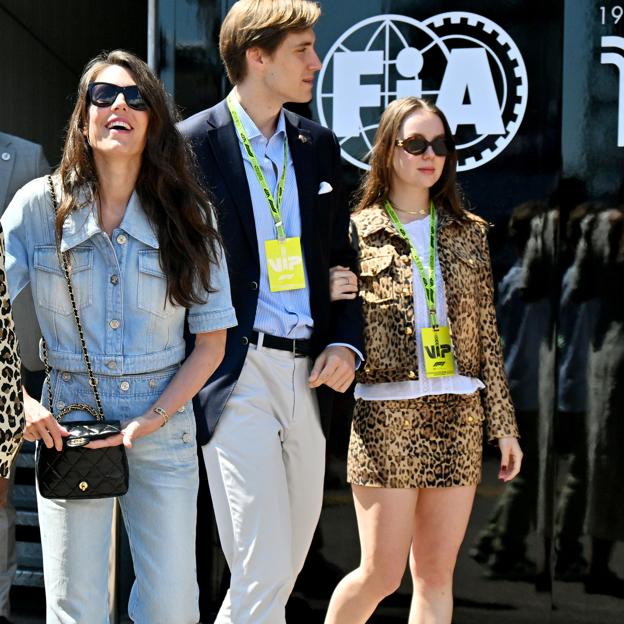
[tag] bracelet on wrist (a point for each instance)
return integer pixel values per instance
(163, 414)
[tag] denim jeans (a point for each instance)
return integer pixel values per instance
(159, 512)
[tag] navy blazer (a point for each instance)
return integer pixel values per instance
(324, 237)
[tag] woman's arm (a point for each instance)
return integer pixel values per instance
(498, 406)
(41, 424)
(500, 419)
(193, 374)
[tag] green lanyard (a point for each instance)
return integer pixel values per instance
(274, 206)
(428, 283)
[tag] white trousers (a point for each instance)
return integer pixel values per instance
(265, 466)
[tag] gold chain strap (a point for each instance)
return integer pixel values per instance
(99, 414)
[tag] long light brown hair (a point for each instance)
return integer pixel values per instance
(167, 185)
(375, 185)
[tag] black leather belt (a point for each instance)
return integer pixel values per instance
(298, 347)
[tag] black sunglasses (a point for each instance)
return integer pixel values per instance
(103, 94)
(417, 145)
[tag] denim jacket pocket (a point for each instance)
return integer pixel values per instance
(152, 285)
(51, 287)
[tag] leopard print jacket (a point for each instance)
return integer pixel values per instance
(11, 408)
(385, 288)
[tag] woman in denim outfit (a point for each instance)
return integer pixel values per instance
(143, 256)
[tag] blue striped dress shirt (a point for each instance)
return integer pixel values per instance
(286, 314)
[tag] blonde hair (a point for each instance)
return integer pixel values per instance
(261, 24)
(375, 185)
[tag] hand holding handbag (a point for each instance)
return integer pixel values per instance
(77, 472)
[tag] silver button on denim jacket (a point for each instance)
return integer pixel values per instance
(121, 290)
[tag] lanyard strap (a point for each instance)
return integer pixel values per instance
(428, 282)
(274, 206)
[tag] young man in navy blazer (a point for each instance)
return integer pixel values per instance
(275, 181)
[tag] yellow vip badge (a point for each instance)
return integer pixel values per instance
(285, 264)
(438, 352)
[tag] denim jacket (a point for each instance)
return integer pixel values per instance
(121, 291)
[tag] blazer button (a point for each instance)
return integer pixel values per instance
(409, 331)
(245, 340)
(470, 419)
(367, 370)
(406, 291)
(407, 423)
(254, 285)
(411, 374)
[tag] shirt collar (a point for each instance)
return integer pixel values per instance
(136, 223)
(81, 224)
(251, 130)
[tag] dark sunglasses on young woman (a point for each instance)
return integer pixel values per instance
(103, 94)
(417, 145)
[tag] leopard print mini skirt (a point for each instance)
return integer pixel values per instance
(428, 442)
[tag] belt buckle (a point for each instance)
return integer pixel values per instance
(297, 352)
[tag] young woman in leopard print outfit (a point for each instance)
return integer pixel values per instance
(416, 439)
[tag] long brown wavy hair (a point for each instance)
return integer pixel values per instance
(375, 185)
(167, 186)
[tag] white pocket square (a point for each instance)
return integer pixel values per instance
(325, 187)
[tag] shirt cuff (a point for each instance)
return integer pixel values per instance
(212, 321)
(359, 357)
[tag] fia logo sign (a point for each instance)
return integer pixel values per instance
(468, 65)
(617, 59)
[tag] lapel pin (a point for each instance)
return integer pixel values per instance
(7, 156)
(303, 138)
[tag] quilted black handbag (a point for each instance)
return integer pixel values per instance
(77, 472)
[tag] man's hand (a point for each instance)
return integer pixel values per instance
(334, 367)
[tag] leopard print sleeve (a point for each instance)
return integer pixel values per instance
(11, 407)
(499, 411)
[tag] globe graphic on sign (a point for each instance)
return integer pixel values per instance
(406, 45)
(390, 56)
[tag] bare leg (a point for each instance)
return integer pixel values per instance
(385, 520)
(439, 528)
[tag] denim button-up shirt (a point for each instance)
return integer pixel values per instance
(121, 291)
